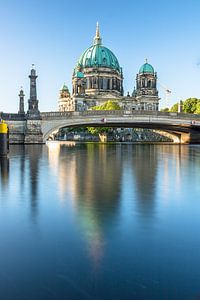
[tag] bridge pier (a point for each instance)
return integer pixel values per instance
(192, 137)
(33, 132)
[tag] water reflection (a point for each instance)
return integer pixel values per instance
(91, 174)
(145, 161)
(34, 155)
(108, 220)
(4, 166)
(25, 160)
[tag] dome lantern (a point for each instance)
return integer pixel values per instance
(146, 68)
(97, 38)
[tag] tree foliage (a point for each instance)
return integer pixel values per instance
(190, 105)
(165, 109)
(197, 111)
(108, 105)
(174, 108)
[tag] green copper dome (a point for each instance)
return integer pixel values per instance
(146, 68)
(64, 88)
(98, 56)
(79, 74)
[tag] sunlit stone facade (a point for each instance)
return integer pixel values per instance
(65, 101)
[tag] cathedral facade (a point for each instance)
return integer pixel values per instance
(98, 78)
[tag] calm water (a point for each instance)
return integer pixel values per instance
(89, 221)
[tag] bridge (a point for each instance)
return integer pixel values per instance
(181, 127)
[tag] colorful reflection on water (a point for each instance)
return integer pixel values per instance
(100, 221)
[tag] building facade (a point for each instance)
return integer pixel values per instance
(98, 77)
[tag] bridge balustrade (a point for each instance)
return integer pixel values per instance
(72, 114)
(12, 116)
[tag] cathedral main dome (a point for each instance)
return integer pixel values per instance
(98, 56)
(100, 70)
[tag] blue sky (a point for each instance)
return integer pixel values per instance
(53, 34)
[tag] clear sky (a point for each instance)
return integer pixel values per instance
(53, 34)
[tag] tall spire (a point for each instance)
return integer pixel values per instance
(97, 38)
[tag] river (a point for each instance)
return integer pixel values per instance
(100, 221)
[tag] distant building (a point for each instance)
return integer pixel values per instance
(98, 77)
(65, 102)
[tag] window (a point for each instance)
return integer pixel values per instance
(104, 61)
(108, 84)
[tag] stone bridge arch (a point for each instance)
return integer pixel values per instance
(178, 126)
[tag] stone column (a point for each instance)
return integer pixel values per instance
(33, 111)
(21, 102)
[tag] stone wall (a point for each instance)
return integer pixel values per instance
(115, 135)
(25, 131)
(16, 131)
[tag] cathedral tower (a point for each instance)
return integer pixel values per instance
(146, 88)
(65, 103)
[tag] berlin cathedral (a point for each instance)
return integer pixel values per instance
(98, 77)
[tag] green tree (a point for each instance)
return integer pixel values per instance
(174, 108)
(189, 105)
(197, 111)
(166, 109)
(108, 105)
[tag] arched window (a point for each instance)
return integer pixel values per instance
(88, 83)
(101, 83)
(104, 61)
(108, 84)
(143, 83)
(104, 83)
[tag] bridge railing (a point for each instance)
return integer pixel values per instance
(72, 114)
(12, 116)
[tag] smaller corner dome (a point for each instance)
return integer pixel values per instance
(64, 88)
(79, 74)
(146, 68)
